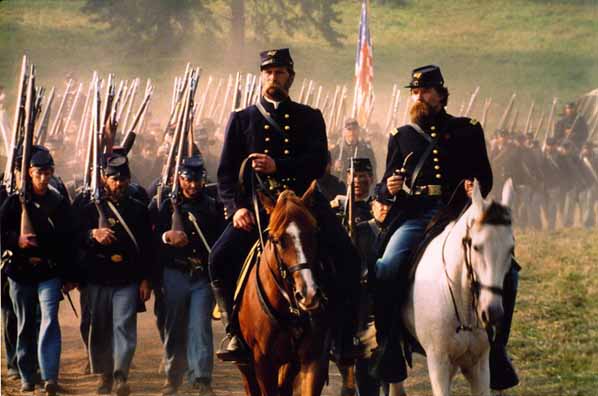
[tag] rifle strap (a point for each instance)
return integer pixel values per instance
(199, 232)
(124, 223)
(268, 118)
(422, 159)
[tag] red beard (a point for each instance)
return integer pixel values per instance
(420, 112)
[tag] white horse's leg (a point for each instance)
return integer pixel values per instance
(478, 377)
(441, 372)
(396, 389)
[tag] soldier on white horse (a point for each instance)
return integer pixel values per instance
(430, 167)
(457, 293)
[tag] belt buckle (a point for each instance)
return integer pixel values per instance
(116, 258)
(434, 189)
(35, 261)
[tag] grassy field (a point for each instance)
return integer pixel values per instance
(554, 338)
(538, 48)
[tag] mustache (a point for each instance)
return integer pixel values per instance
(420, 111)
(277, 92)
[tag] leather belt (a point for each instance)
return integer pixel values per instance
(190, 265)
(432, 190)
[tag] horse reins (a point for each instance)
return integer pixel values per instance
(282, 268)
(475, 285)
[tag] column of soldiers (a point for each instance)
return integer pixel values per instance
(556, 180)
(116, 262)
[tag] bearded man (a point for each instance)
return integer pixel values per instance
(287, 146)
(430, 168)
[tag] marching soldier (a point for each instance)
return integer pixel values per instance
(350, 145)
(286, 144)
(572, 127)
(368, 232)
(188, 301)
(37, 267)
(431, 162)
(118, 266)
(363, 178)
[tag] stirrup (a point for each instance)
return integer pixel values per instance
(232, 350)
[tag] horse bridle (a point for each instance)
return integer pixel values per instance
(284, 270)
(475, 285)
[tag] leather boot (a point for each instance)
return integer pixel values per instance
(170, 387)
(231, 348)
(105, 384)
(502, 372)
(388, 359)
(121, 386)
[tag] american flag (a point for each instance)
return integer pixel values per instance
(364, 69)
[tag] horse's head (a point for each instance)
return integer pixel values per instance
(489, 248)
(292, 233)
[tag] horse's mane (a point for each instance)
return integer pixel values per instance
(496, 214)
(289, 208)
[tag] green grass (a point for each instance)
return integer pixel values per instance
(537, 48)
(554, 337)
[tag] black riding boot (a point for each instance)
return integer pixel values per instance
(502, 372)
(231, 347)
(388, 359)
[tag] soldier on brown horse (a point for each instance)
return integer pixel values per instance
(282, 312)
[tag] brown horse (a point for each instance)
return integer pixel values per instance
(281, 311)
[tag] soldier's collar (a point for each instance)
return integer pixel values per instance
(274, 103)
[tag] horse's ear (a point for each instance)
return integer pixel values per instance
(308, 195)
(507, 193)
(266, 201)
(476, 198)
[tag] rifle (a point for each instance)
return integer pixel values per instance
(42, 129)
(212, 110)
(549, 125)
(503, 119)
(29, 126)
(348, 212)
(527, 127)
(229, 87)
(487, 104)
(237, 92)
(204, 98)
(391, 106)
(318, 97)
(96, 187)
(9, 177)
(130, 103)
(130, 134)
(125, 97)
(406, 112)
(461, 109)
(309, 92)
(177, 115)
(86, 115)
(472, 100)
(540, 125)
(182, 129)
(57, 119)
(300, 99)
(514, 121)
(72, 110)
(330, 120)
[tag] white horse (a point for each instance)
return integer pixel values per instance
(457, 294)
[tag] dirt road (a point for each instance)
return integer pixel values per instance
(144, 378)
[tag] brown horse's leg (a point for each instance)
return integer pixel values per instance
(286, 378)
(249, 381)
(313, 376)
(266, 374)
